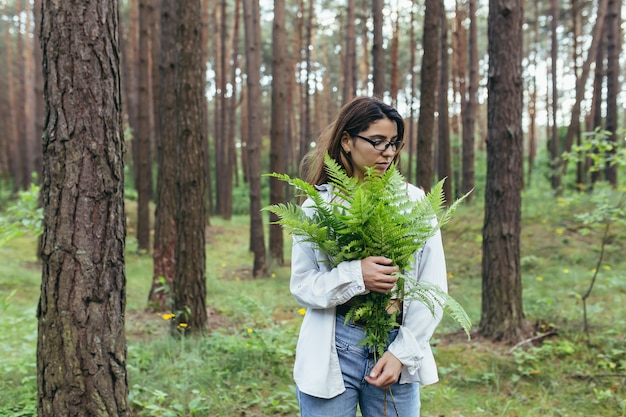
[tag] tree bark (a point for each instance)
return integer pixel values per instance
(81, 345)
(143, 163)
(349, 66)
(555, 163)
(255, 125)
(471, 106)
(280, 76)
(378, 53)
(164, 246)
(191, 217)
(428, 90)
(444, 163)
(614, 43)
(502, 315)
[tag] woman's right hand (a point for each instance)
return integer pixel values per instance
(377, 274)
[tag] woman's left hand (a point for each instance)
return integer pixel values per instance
(386, 371)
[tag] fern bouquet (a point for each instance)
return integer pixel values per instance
(372, 217)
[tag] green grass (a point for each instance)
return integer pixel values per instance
(244, 366)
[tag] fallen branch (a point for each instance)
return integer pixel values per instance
(540, 336)
(580, 376)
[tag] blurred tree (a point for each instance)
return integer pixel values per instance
(255, 127)
(144, 136)
(444, 163)
(81, 345)
(349, 55)
(615, 40)
(470, 105)
(378, 52)
(280, 77)
(428, 90)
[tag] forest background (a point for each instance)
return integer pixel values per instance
(407, 52)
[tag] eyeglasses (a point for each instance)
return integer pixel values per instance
(380, 144)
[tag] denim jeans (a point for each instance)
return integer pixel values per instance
(356, 362)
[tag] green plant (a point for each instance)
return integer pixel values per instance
(23, 216)
(607, 202)
(375, 216)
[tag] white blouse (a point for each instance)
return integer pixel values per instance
(319, 287)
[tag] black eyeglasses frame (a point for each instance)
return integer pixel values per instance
(397, 144)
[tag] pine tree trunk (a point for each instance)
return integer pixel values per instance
(428, 89)
(471, 106)
(191, 218)
(144, 135)
(378, 53)
(280, 76)
(255, 127)
(164, 216)
(81, 348)
(444, 163)
(349, 67)
(502, 310)
(614, 41)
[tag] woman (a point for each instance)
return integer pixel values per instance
(333, 373)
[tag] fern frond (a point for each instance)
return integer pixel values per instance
(375, 216)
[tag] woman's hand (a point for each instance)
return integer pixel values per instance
(377, 274)
(386, 371)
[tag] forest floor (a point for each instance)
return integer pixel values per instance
(243, 368)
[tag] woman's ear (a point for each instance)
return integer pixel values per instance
(346, 143)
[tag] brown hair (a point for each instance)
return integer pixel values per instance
(353, 118)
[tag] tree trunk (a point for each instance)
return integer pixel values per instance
(255, 126)
(502, 315)
(581, 81)
(165, 212)
(280, 77)
(411, 128)
(555, 164)
(15, 161)
(143, 162)
(428, 91)
(471, 105)
(81, 347)
(349, 66)
(378, 53)
(39, 105)
(444, 165)
(532, 101)
(190, 275)
(364, 61)
(614, 43)
(395, 53)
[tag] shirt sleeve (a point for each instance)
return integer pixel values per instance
(316, 284)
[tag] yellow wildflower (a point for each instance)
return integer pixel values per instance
(559, 231)
(302, 312)
(168, 316)
(249, 330)
(540, 279)
(182, 325)
(566, 271)
(606, 267)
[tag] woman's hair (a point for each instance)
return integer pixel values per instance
(353, 118)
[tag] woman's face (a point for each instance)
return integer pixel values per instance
(364, 154)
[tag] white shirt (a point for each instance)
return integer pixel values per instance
(320, 287)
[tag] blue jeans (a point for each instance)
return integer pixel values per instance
(356, 362)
